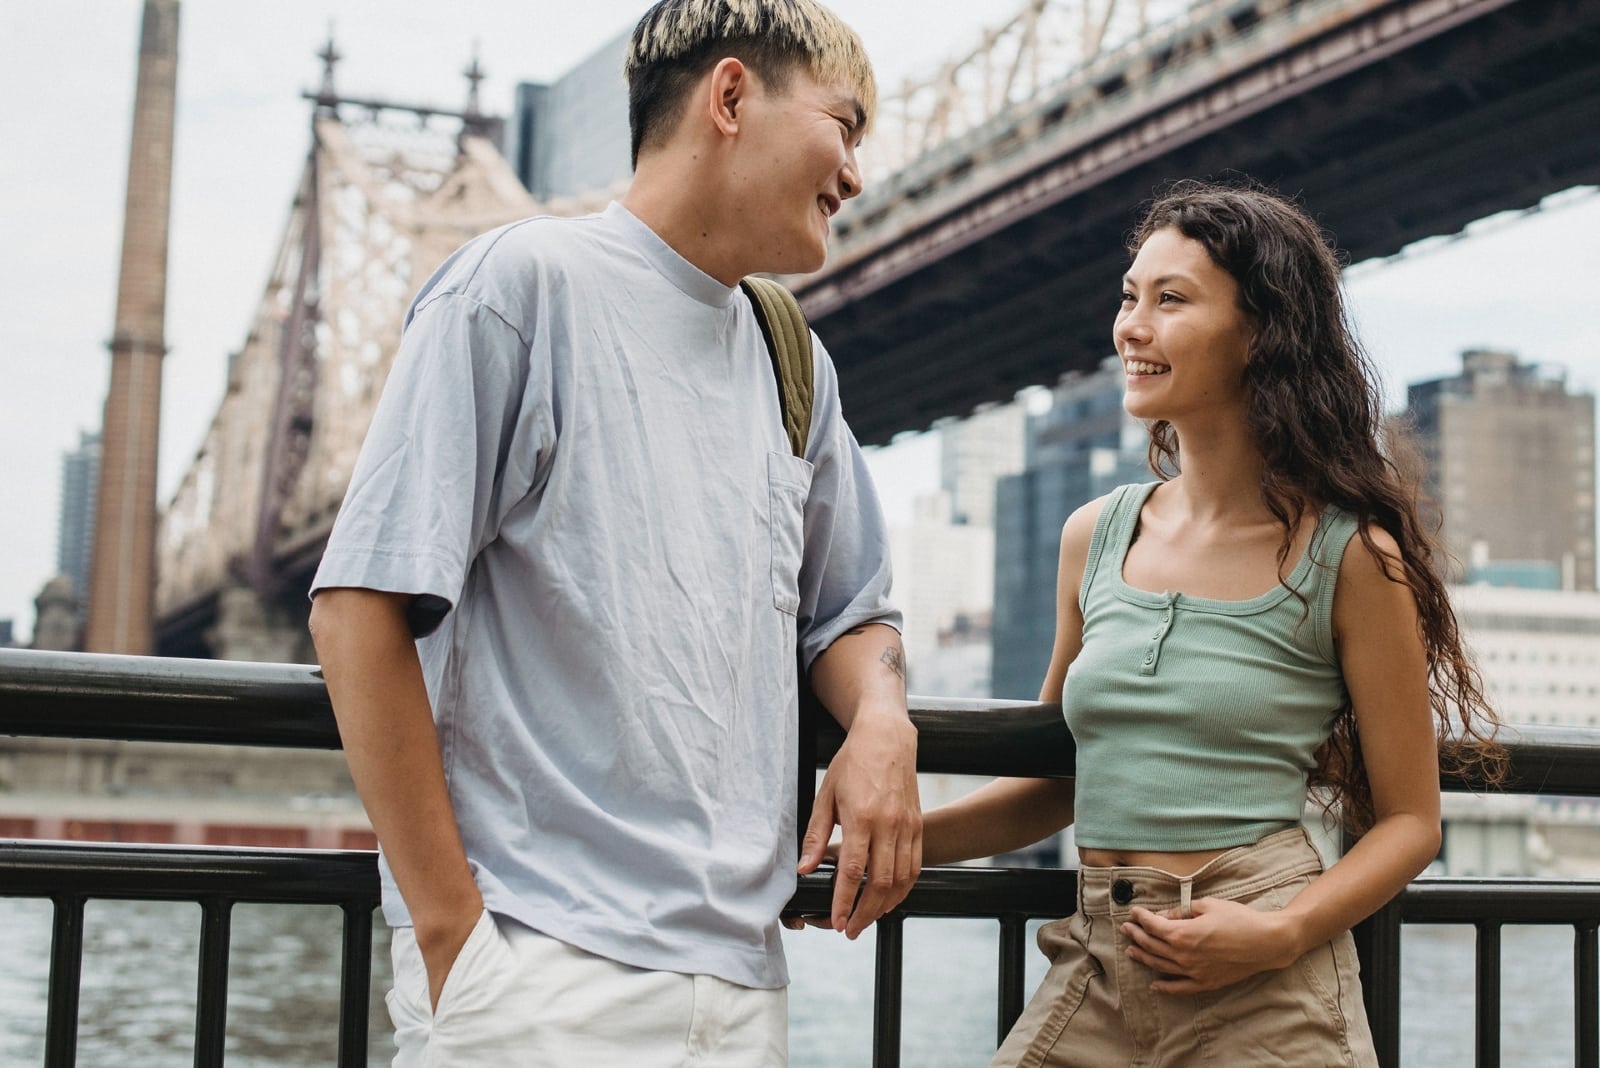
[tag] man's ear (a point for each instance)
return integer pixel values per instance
(730, 85)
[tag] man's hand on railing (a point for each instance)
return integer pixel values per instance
(870, 789)
(870, 792)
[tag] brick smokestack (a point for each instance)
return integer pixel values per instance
(122, 574)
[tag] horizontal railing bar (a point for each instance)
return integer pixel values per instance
(1030, 740)
(133, 698)
(1510, 901)
(45, 869)
(979, 738)
(189, 873)
(963, 893)
(164, 699)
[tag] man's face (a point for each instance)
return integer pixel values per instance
(797, 166)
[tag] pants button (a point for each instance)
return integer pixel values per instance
(1122, 891)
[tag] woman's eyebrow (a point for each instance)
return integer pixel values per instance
(1166, 279)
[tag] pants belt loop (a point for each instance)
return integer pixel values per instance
(1185, 888)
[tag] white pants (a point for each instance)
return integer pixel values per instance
(516, 997)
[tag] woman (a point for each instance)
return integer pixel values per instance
(1263, 618)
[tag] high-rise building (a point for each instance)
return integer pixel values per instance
(1510, 463)
(570, 136)
(80, 479)
(944, 559)
(943, 583)
(975, 453)
(1082, 447)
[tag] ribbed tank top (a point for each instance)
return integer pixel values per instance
(1196, 720)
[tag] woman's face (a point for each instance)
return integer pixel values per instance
(1183, 339)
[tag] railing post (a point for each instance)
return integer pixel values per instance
(1586, 990)
(1013, 971)
(355, 984)
(211, 1005)
(1377, 941)
(887, 998)
(1487, 1007)
(66, 977)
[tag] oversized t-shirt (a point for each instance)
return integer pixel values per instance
(579, 469)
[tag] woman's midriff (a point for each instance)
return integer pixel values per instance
(1179, 864)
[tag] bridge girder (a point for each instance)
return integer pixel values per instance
(1394, 120)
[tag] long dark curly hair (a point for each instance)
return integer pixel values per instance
(1315, 413)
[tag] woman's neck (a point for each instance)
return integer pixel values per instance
(1220, 479)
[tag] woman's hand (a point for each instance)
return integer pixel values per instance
(1221, 943)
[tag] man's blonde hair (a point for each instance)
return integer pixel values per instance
(677, 41)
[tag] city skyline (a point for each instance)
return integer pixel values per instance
(242, 134)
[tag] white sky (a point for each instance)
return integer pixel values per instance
(66, 89)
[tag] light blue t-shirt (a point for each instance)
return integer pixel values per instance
(579, 468)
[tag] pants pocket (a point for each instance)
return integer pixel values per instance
(470, 983)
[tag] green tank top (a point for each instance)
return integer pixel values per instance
(1196, 720)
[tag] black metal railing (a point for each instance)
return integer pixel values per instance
(61, 695)
(70, 875)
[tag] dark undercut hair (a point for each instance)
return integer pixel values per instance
(678, 41)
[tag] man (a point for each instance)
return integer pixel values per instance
(559, 611)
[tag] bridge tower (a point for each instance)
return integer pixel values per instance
(389, 190)
(122, 572)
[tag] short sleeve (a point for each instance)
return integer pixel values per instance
(845, 572)
(459, 436)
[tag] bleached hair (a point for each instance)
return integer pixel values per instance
(680, 38)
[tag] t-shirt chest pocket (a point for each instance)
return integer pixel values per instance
(788, 483)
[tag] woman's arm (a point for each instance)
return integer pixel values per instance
(1008, 814)
(1386, 672)
(998, 817)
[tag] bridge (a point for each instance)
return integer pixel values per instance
(990, 263)
(982, 265)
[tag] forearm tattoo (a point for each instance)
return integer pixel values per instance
(895, 661)
(892, 657)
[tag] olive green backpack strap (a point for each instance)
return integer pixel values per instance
(788, 338)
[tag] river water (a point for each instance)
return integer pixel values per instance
(137, 1005)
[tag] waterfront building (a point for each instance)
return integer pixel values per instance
(1539, 654)
(1509, 450)
(1538, 651)
(1081, 447)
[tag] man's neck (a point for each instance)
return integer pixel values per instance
(690, 217)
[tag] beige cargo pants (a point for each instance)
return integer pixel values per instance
(1095, 1008)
